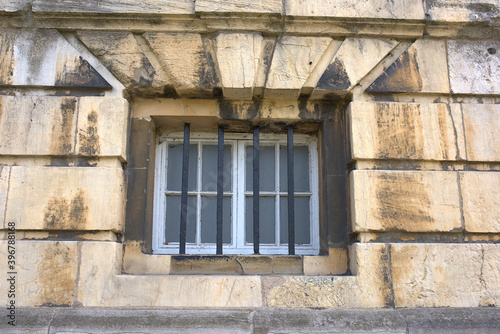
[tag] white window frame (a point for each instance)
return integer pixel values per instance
(238, 141)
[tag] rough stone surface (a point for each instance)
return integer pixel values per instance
(135, 262)
(115, 6)
(412, 201)
(400, 9)
(66, 198)
(122, 56)
(293, 61)
(474, 66)
(355, 58)
(463, 10)
(44, 58)
(184, 58)
(4, 189)
(333, 264)
(406, 131)
(13, 5)
(46, 273)
(452, 275)
(482, 122)
(422, 68)
(481, 200)
(238, 58)
(238, 6)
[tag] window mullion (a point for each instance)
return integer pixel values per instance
(240, 219)
(198, 194)
(277, 189)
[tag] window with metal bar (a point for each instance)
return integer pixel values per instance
(248, 160)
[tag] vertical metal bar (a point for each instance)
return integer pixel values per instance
(220, 188)
(184, 189)
(291, 190)
(256, 188)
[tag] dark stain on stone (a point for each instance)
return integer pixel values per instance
(169, 92)
(492, 51)
(402, 202)
(385, 259)
(402, 76)
(6, 57)
(398, 127)
(143, 75)
(335, 77)
(246, 110)
(206, 71)
(89, 138)
(80, 74)
(62, 133)
(64, 214)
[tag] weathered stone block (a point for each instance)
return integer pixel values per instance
(293, 61)
(204, 264)
(13, 5)
(135, 262)
(463, 10)
(422, 68)
(482, 122)
(481, 200)
(238, 57)
(238, 6)
(66, 198)
(115, 6)
(46, 273)
(355, 58)
(474, 67)
(411, 201)
(44, 58)
(400, 9)
(445, 275)
(406, 131)
(4, 189)
(122, 56)
(333, 264)
(184, 58)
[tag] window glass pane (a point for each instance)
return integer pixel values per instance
(301, 168)
(174, 167)
(209, 168)
(267, 168)
(209, 219)
(267, 220)
(174, 217)
(302, 220)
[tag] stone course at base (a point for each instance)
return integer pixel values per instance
(258, 321)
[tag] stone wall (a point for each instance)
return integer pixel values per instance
(404, 95)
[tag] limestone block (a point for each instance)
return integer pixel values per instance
(184, 58)
(13, 5)
(46, 125)
(463, 10)
(481, 198)
(44, 58)
(422, 68)
(482, 122)
(370, 288)
(445, 275)
(293, 61)
(66, 198)
(333, 264)
(115, 6)
(102, 127)
(399, 9)
(138, 263)
(352, 62)
(45, 273)
(122, 56)
(411, 201)
(238, 57)
(238, 6)
(4, 189)
(406, 131)
(474, 67)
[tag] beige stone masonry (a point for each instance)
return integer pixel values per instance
(238, 6)
(122, 55)
(482, 124)
(293, 61)
(474, 66)
(463, 10)
(411, 201)
(46, 126)
(46, 273)
(66, 198)
(333, 264)
(410, 131)
(43, 58)
(421, 69)
(481, 201)
(238, 58)
(4, 189)
(115, 6)
(445, 275)
(399, 9)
